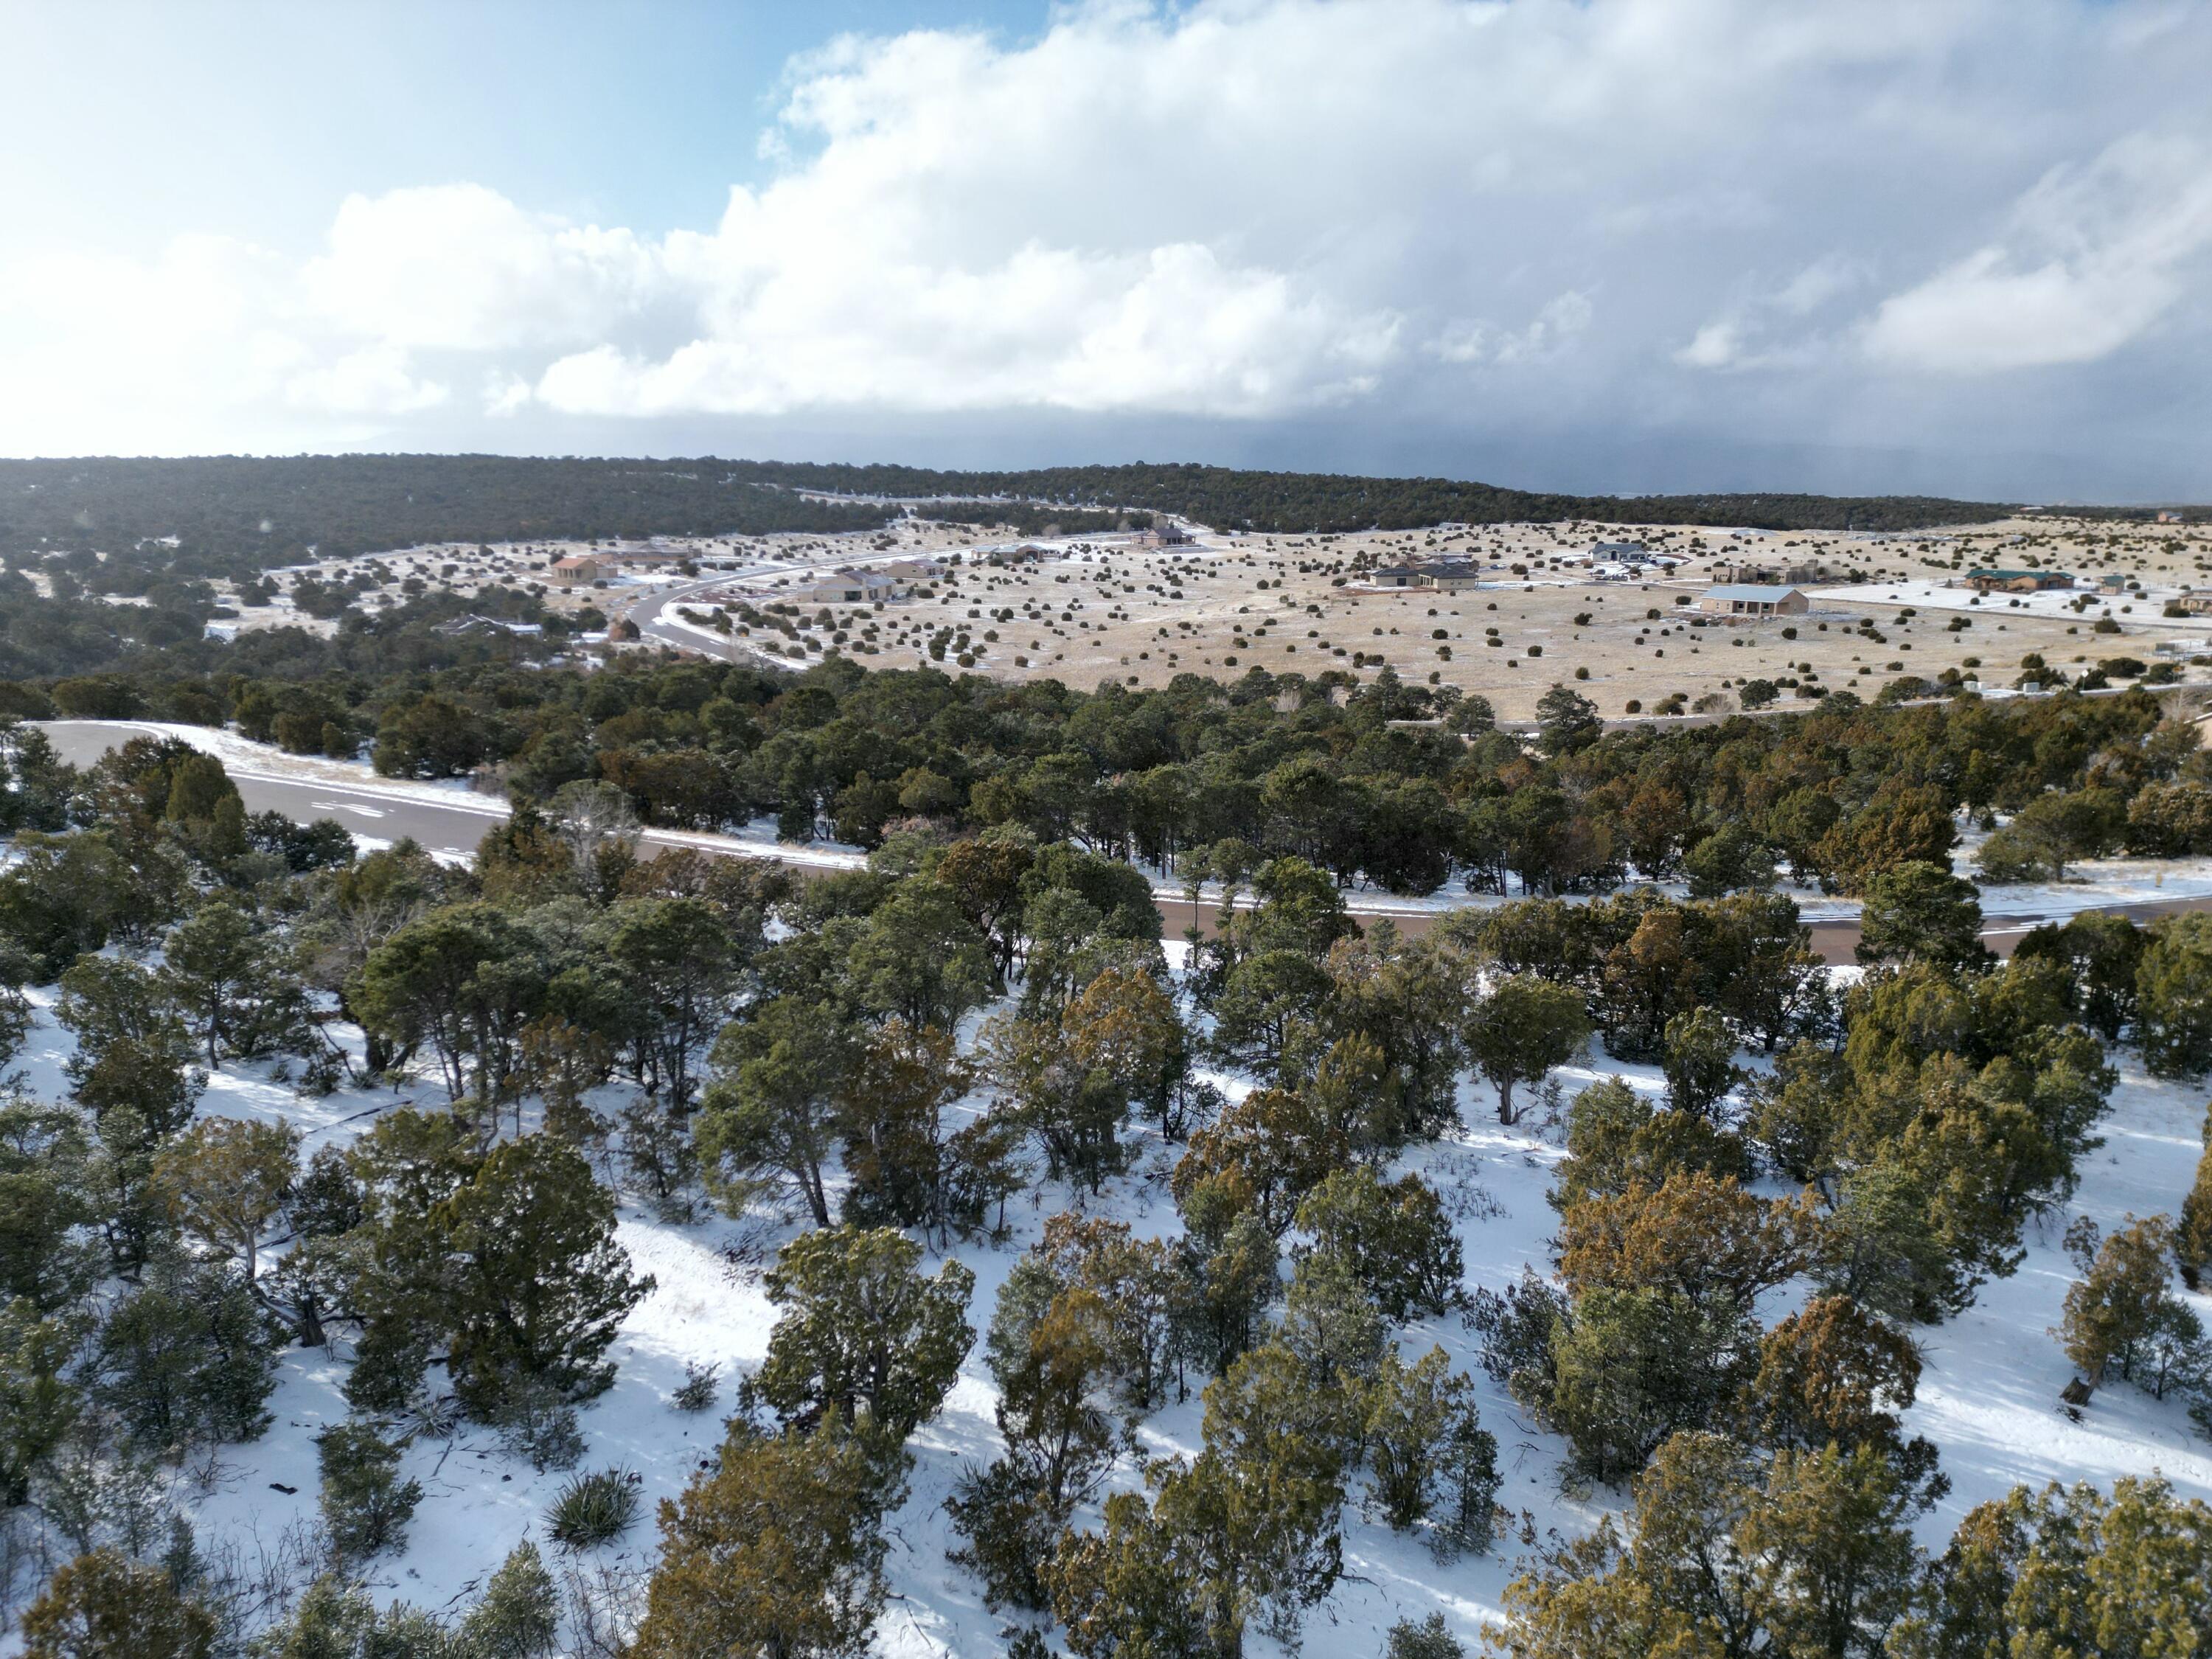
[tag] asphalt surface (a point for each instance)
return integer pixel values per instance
(454, 830)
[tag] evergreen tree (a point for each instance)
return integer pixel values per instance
(365, 1505)
(2068, 1570)
(2193, 1239)
(769, 1117)
(46, 1197)
(778, 1550)
(1919, 911)
(1634, 1366)
(537, 1285)
(225, 1180)
(38, 1404)
(1521, 1030)
(1700, 1062)
(1432, 1458)
(187, 1359)
(2173, 997)
(103, 1607)
(334, 1620)
(861, 1334)
(1395, 1238)
(519, 1615)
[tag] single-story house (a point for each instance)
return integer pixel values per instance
(1754, 600)
(2018, 581)
(912, 570)
(580, 567)
(2195, 604)
(1618, 553)
(1401, 576)
(848, 588)
(1454, 577)
(1162, 534)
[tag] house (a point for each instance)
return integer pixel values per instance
(912, 570)
(1768, 575)
(1027, 553)
(1401, 576)
(2113, 582)
(2018, 581)
(1454, 577)
(1619, 553)
(2192, 604)
(1162, 534)
(1754, 600)
(580, 567)
(848, 588)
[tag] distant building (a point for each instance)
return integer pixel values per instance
(912, 570)
(849, 587)
(2018, 581)
(1454, 577)
(1162, 534)
(1619, 553)
(1767, 575)
(580, 567)
(1027, 553)
(1754, 600)
(1401, 576)
(2193, 604)
(2113, 582)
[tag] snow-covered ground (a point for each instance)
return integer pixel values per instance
(1989, 1398)
(2144, 607)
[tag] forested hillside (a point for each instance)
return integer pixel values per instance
(232, 514)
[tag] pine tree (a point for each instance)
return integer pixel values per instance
(1830, 1372)
(769, 1118)
(778, 1551)
(103, 1607)
(861, 1332)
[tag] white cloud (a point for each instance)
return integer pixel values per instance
(1247, 210)
(2095, 257)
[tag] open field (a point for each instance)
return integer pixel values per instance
(1093, 611)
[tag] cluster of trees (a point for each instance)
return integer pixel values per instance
(812, 1052)
(1343, 775)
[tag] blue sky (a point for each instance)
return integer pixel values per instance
(1960, 246)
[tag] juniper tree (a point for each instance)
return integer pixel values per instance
(778, 1549)
(537, 1286)
(1395, 1238)
(365, 1504)
(225, 1180)
(102, 1606)
(861, 1332)
(1521, 1030)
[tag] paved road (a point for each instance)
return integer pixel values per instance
(455, 829)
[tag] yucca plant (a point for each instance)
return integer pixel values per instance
(594, 1508)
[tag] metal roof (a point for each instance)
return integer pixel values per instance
(1748, 591)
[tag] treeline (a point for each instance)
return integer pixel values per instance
(228, 513)
(260, 512)
(1397, 786)
(1294, 503)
